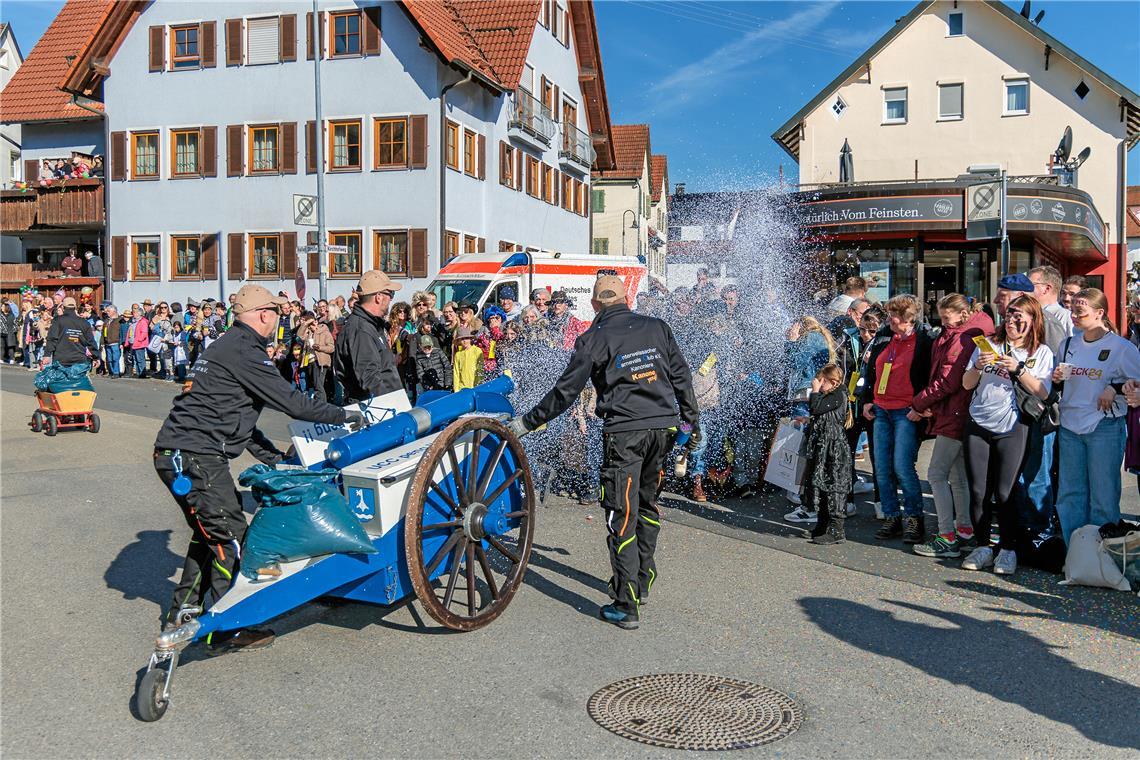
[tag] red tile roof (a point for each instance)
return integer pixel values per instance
(658, 176)
(631, 145)
(33, 93)
(1133, 213)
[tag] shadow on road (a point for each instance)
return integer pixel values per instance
(143, 568)
(991, 657)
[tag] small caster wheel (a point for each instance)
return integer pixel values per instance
(52, 426)
(37, 422)
(149, 701)
(93, 423)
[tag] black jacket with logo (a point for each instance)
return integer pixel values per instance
(636, 367)
(69, 339)
(363, 361)
(228, 386)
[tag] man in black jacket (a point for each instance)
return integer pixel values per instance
(70, 340)
(363, 360)
(641, 378)
(214, 420)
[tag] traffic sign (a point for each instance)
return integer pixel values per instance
(305, 210)
(983, 210)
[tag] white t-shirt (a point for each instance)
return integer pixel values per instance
(994, 404)
(1096, 365)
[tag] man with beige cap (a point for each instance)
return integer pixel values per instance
(641, 379)
(212, 421)
(70, 338)
(363, 360)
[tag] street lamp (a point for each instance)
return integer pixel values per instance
(623, 227)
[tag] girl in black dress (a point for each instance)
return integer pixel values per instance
(828, 476)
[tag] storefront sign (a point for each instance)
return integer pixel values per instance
(1054, 213)
(847, 212)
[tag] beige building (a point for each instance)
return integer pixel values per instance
(659, 212)
(952, 85)
(622, 200)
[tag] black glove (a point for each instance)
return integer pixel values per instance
(355, 420)
(694, 439)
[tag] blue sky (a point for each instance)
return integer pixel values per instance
(715, 79)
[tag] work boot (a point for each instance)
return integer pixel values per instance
(699, 490)
(243, 640)
(834, 534)
(892, 527)
(611, 614)
(914, 530)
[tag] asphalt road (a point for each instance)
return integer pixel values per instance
(890, 655)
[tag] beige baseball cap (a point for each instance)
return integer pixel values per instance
(609, 290)
(69, 303)
(374, 281)
(252, 297)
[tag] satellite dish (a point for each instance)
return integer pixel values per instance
(1081, 158)
(1065, 147)
(1037, 19)
(1025, 9)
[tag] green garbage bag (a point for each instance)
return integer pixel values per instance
(56, 378)
(301, 514)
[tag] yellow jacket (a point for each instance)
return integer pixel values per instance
(467, 368)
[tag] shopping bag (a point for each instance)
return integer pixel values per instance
(1125, 552)
(785, 463)
(155, 346)
(1088, 564)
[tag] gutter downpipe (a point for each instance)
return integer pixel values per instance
(106, 195)
(443, 163)
(1121, 235)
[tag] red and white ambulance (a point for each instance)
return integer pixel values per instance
(481, 278)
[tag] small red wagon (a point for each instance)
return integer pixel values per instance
(69, 409)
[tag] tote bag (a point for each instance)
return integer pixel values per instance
(786, 464)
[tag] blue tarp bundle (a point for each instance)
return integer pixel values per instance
(301, 514)
(56, 378)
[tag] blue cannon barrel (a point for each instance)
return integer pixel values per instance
(407, 426)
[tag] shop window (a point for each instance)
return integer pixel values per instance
(894, 105)
(345, 264)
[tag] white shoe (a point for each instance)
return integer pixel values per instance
(850, 509)
(878, 511)
(863, 486)
(980, 559)
(1006, 563)
(801, 516)
(793, 497)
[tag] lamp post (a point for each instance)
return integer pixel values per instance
(632, 227)
(320, 157)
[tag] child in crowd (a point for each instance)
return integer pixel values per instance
(180, 350)
(828, 476)
(467, 365)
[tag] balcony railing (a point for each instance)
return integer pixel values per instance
(577, 146)
(532, 117)
(68, 203)
(1018, 179)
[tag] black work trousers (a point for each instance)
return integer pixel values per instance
(993, 464)
(632, 475)
(213, 511)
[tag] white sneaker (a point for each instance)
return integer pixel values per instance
(863, 486)
(793, 497)
(980, 559)
(850, 509)
(801, 516)
(1006, 563)
(878, 511)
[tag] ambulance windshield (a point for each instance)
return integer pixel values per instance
(458, 290)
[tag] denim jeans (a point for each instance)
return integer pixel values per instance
(1036, 476)
(896, 454)
(710, 451)
(140, 361)
(113, 351)
(1089, 476)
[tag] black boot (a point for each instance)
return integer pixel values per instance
(892, 527)
(914, 530)
(834, 534)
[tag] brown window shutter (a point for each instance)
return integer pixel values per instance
(208, 36)
(157, 48)
(288, 254)
(417, 253)
(208, 245)
(417, 151)
(209, 151)
(233, 42)
(313, 260)
(118, 158)
(234, 150)
(481, 157)
(481, 245)
(372, 30)
(119, 258)
(555, 104)
(289, 147)
(288, 46)
(311, 147)
(32, 169)
(519, 179)
(235, 256)
(309, 34)
(504, 157)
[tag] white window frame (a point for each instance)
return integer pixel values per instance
(961, 20)
(246, 47)
(906, 103)
(962, 114)
(1020, 79)
(839, 101)
(527, 80)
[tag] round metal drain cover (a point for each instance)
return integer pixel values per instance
(694, 711)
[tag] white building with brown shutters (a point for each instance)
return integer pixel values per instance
(450, 126)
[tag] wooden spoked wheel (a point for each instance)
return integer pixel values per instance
(469, 523)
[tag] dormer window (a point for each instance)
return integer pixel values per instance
(838, 107)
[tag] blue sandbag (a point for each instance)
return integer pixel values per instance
(301, 514)
(56, 378)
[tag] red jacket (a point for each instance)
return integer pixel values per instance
(945, 396)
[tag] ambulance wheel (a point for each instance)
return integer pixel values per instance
(467, 539)
(93, 423)
(149, 701)
(52, 426)
(37, 421)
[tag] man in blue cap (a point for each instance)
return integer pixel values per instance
(1010, 287)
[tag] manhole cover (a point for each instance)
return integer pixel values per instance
(694, 711)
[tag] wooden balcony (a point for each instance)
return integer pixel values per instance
(72, 203)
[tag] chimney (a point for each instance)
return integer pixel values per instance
(679, 188)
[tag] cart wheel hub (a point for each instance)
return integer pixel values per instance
(473, 521)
